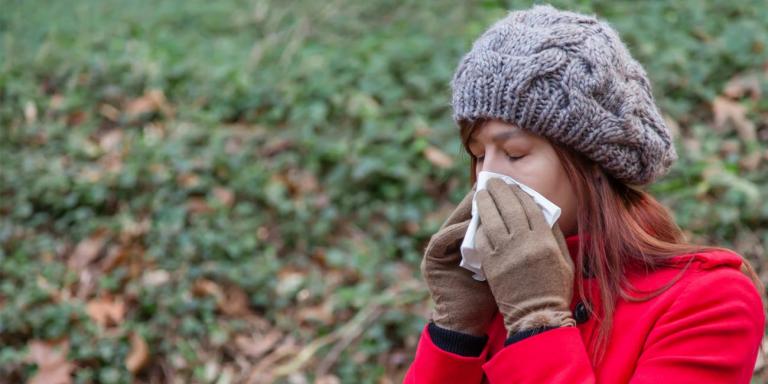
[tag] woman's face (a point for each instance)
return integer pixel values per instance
(528, 158)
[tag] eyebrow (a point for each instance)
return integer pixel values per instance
(502, 136)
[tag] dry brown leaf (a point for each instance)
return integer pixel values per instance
(276, 146)
(51, 361)
(411, 227)
(726, 110)
(151, 101)
(112, 162)
(205, 287)
(744, 84)
(155, 278)
(262, 372)
(234, 302)
(116, 255)
(106, 311)
(188, 180)
(231, 300)
(289, 280)
(224, 195)
(691, 145)
(56, 102)
(86, 283)
(76, 118)
(730, 147)
(751, 162)
(138, 357)
(423, 129)
(262, 233)
(137, 264)
(198, 205)
(438, 157)
(87, 250)
(322, 312)
(132, 229)
(109, 112)
(140, 106)
(301, 182)
(257, 347)
(110, 141)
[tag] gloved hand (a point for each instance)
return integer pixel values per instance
(526, 263)
(462, 303)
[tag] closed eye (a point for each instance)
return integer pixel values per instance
(512, 158)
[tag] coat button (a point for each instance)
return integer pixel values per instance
(580, 313)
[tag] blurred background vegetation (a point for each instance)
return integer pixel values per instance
(240, 191)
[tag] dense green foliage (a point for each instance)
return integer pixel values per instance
(239, 181)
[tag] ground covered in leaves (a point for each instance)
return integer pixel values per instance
(240, 191)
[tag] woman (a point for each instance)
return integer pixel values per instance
(612, 293)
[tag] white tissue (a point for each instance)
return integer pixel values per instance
(470, 258)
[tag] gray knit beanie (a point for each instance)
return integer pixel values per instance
(568, 77)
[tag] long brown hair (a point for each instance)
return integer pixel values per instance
(628, 228)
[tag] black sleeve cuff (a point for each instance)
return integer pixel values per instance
(456, 342)
(525, 334)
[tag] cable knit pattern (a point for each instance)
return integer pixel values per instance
(569, 77)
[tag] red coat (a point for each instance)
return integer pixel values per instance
(706, 328)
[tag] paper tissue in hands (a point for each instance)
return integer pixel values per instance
(470, 258)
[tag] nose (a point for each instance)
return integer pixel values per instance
(493, 161)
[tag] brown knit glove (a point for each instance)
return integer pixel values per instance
(462, 303)
(526, 263)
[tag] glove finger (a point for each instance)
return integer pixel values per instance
(509, 205)
(444, 242)
(463, 210)
(490, 216)
(536, 218)
(483, 243)
(454, 235)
